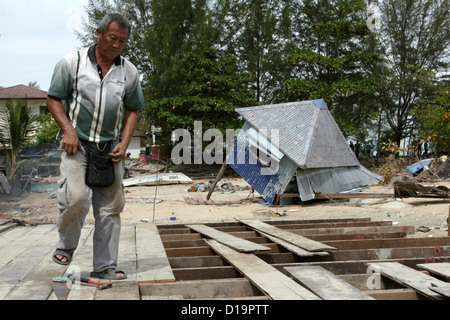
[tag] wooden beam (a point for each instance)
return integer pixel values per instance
(395, 294)
(342, 195)
(219, 176)
(325, 284)
(293, 248)
(236, 243)
(354, 230)
(389, 243)
(273, 283)
(295, 239)
(409, 277)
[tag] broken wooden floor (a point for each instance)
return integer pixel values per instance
(191, 262)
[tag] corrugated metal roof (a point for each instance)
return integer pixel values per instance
(308, 134)
(268, 180)
(310, 145)
(333, 180)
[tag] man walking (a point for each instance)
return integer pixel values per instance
(94, 96)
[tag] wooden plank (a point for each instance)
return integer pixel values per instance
(442, 290)
(6, 226)
(441, 269)
(236, 243)
(127, 289)
(201, 289)
(409, 277)
(28, 255)
(36, 284)
(121, 290)
(82, 292)
(295, 239)
(292, 248)
(12, 235)
(82, 265)
(325, 284)
(152, 262)
(23, 242)
(272, 282)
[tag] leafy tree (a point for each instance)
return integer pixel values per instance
(48, 129)
(415, 35)
(212, 89)
(334, 62)
(433, 113)
(17, 128)
(257, 40)
(33, 84)
(178, 28)
(259, 33)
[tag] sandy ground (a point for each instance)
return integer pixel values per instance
(176, 205)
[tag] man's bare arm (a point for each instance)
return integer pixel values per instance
(118, 153)
(70, 142)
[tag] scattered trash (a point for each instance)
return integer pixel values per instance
(202, 201)
(436, 167)
(162, 178)
(412, 189)
(224, 187)
(272, 212)
(423, 229)
(150, 200)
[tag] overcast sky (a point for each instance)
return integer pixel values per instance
(34, 36)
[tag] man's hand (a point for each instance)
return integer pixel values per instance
(118, 153)
(70, 142)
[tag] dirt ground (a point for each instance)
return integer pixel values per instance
(176, 204)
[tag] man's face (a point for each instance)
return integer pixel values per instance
(112, 41)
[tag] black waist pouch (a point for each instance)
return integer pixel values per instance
(100, 168)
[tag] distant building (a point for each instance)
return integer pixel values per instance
(36, 99)
(135, 144)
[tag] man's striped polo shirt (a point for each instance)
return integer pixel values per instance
(95, 103)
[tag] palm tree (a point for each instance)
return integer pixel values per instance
(17, 128)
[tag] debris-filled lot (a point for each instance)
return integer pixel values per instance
(178, 201)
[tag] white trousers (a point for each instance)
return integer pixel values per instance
(74, 201)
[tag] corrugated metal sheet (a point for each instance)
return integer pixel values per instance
(308, 134)
(310, 145)
(254, 172)
(333, 180)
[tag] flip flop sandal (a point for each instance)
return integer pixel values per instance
(65, 253)
(109, 274)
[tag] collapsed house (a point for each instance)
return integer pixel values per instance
(295, 143)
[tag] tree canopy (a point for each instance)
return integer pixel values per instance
(201, 59)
